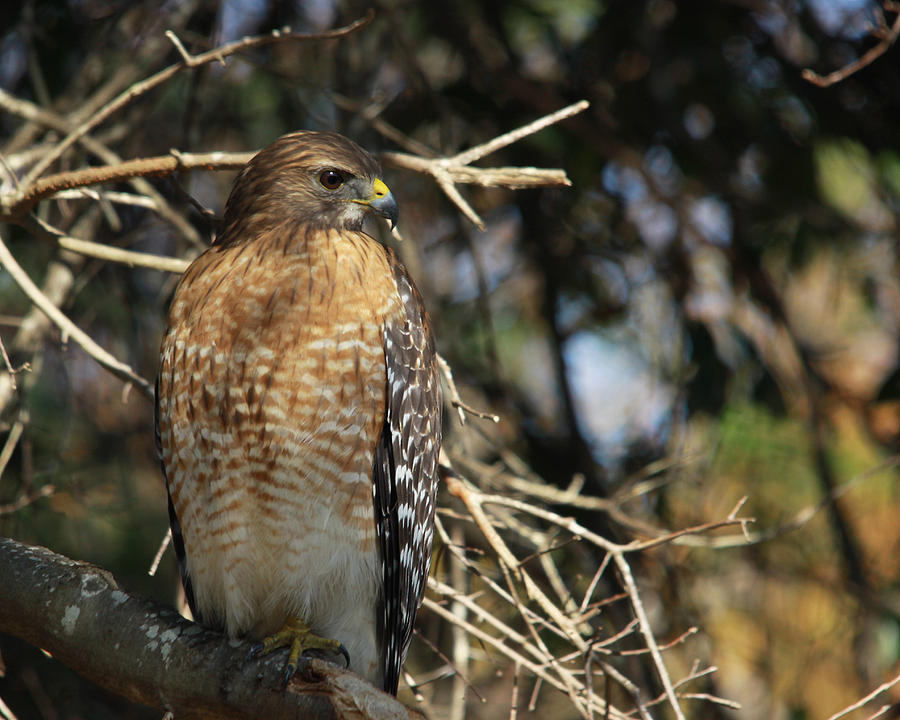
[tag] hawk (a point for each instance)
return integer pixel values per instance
(298, 415)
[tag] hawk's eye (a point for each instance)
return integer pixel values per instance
(331, 179)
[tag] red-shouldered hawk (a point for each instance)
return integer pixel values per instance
(298, 415)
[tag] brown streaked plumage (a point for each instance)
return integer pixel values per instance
(298, 413)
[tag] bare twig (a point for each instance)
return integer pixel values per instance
(8, 364)
(888, 37)
(459, 577)
(862, 701)
(514, 700)
(647, 631)
(456, 401)
(476, 153)
(448, 171)
(5, 712)
(36, 114)
(164, 543)
(70, 329)
(12, 439)
(126, 257)
(473, 501)
(371, 114)
(730, 520)
(498, 644)
(26, 499)
(138, 89)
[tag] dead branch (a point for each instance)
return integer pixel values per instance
(455, 399)
(566, 622)
(68, 328)
(15, 205)
(125, 257)
(217, 54)
(884, 687)
(35, 114)
(151, 655)
(888, 37)
(448, 171)
(33, 327)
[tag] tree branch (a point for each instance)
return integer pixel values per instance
(888, 37)
(217, 54)
(149, 654)
(448, 171)
(46, 306)
(17, 205)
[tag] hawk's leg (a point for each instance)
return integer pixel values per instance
(296, 635)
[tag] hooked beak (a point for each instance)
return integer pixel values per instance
(382, 202)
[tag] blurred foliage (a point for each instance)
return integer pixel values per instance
(720, 289)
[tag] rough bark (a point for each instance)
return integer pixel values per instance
(149, 654)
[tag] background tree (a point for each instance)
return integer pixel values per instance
(710, 312)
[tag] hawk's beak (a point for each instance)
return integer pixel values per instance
(382, 202)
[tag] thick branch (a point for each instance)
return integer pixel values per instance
(17, 205)
(151, 655)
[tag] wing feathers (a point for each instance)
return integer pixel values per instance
(406, 471)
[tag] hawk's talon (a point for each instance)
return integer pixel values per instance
(255, 649)
(297, 636)
(289, 671)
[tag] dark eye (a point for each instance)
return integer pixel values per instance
(331, 179)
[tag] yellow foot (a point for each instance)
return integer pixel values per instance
(297, 636)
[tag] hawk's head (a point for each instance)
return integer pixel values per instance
(314, 179)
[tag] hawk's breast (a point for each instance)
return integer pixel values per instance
(272, 387)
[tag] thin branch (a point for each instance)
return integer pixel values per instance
(70, 329)
(862, 701)
(479, 151)
(731, 519)
(110, 196)
(647, 632)
(513, 178)
(5, 712)
(138, 89)
(514, 700)
(164, 543)
(12, 439)
(715, 699)
(125, 257)
(461, 656)
(445, 182)
(537, 669)
(799, 520)
(371, 113)
(690, 632)
(455, 399)
(888, 38)
(26, 499)
(448, 171)
(9, 367)
(473, 500)
(36, 114)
